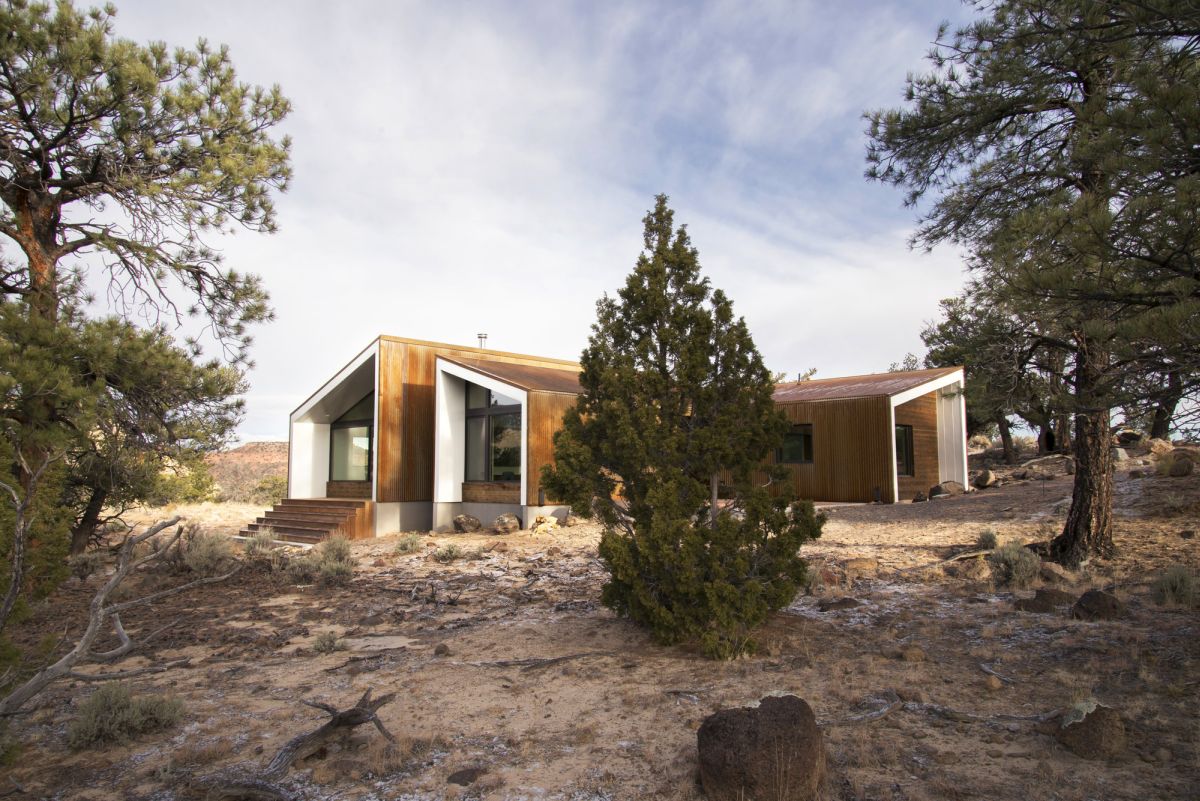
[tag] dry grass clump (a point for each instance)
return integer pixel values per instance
(448, 553)
(986, 541)
(1014, 565)
(402, 756)
(409, 543)
(260, 543)
(327, 642)
(202, 753)
(1177, 586)
(330, 563)
(113, 714)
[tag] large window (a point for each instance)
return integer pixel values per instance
(904, 451)
(797, 446)
(493, 436)
(350, 442)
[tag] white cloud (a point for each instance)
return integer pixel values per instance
(485, 167)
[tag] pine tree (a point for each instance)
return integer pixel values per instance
(1059, 140)
(676, 411)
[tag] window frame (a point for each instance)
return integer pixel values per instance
(803, 429)
(907, 468)
(488, 411)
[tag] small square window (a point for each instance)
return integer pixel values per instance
(797, 446)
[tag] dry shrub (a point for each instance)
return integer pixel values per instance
(260, 543)
(112, 714)
(327, 642)
(979, 442)
(986, 541)
(331, 563)
(448, 553)
(207, 554)
(1177, 586)
(409, 543)
(83, 565)
(1014, 565)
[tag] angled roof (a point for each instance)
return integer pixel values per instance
(525, 376)
(858, 386)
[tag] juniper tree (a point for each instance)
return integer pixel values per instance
(675, 412)
(1058, 139)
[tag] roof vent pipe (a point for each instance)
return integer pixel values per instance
(482, 341)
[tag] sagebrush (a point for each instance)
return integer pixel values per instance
(1014, 565)
(113, 714)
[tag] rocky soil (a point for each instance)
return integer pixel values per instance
(512, 682)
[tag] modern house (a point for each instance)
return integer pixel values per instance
(882, 437)
(410, 434)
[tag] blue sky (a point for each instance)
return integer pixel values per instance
(468, 167)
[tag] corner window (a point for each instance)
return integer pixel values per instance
(904, 451)
(493, 449)
(350, 442)
(797, 446)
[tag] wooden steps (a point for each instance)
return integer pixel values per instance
(311, 520)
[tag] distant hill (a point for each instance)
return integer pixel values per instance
(237, 472)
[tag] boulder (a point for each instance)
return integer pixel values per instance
(1136, 474)
(1119, 454)
(969, 570)
(1098, 605)
(773, 750)
(1045, 601)
(984, 479)
(946, 488)
(919, 497)
(544, 524)
(1160, 446)
(465, 524)
(1092, 731)
(1128, 436)
(1182, 466)
(506, 523)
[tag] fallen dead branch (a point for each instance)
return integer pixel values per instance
(102, 613)
(991, 672)
(534, 663)
(890, 703)
(301, 746)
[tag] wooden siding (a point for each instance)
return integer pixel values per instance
(852, 452)
(921, 414)
(348, 489)
(404, 430)
(545, 413)
(491, 492)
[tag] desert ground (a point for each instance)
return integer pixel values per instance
(511, 681)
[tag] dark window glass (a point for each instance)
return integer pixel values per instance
(797, 446)
(493, 432)
(904, 451)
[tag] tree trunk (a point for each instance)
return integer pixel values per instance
(714, 485)
(1164, 410)
(1088, 530)
(1010, 453)
(1062, 433)
(82, 532)
(1045, 440)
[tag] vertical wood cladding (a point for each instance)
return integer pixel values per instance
(921, 414)
(545, 418)
(852, 452)
(404, 426)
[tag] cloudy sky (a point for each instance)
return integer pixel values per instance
(485, 166)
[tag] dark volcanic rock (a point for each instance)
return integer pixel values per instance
(1098, 605)
(1097, 734)
(1044, 601)
(772, 751)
